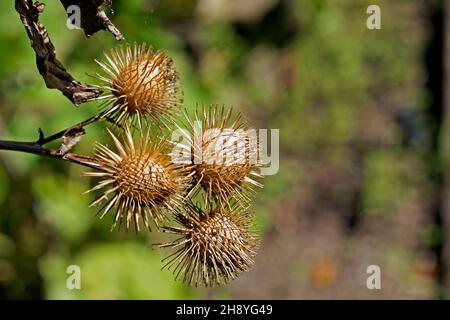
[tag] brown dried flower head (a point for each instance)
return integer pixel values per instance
(139, 179)
(225, 154)
(216, 245)
(142, 82)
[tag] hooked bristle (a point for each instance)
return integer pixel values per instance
(215, 246)
(142, 83)
(225, 155)
(141, 180)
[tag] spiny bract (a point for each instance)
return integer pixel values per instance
(216, 245)
(140, 179)
(225, 154)
(141, 82)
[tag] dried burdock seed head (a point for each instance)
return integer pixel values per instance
(139, 179)
(216, 245)
(225, 154)
(141, 83)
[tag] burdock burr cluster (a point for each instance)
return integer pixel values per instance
(199, 189)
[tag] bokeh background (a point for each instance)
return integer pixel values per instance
(362, 177)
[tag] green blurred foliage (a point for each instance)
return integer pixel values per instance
(125, 270)
(391, 178)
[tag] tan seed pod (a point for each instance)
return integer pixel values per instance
(225, 154)
(139, 179)
(216, 245)
(141, 82)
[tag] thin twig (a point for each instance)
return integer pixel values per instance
(79, 125)
(37, 147)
